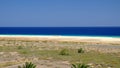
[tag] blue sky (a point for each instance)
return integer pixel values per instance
(59, 13)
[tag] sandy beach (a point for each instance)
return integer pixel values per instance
(87, 39)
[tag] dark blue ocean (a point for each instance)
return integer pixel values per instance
(65, 31)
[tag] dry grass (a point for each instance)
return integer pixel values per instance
(21, 50)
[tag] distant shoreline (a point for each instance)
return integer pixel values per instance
(61, 37)
(16, 35)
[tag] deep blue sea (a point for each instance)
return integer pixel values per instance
(65, 31)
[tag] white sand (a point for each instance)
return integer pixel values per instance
(68, 38)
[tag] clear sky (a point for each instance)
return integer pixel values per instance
(59, 13)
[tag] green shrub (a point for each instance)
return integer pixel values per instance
(28, 65)
(20, 47)
(24, 52)
(80, 50)
(79, 66)
(64, 52)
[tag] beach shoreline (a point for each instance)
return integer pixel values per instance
(90, 39)
(62, 36)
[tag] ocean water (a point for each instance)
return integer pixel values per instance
(65, 31)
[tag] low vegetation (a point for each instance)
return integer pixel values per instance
(28, 65)
(20, 47)
(80, 50)
(56, 51)
(31, 65)
(78, 65)
(64, 52)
